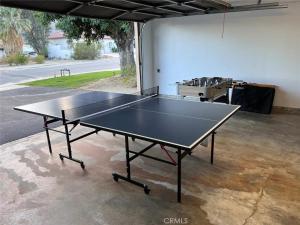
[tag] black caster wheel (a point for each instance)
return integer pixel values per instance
(61, 157)
(146, 190)
(82, 165)
(133, 139)
(115, 177)
(114, 134)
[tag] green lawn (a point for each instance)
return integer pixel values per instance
(74, 81)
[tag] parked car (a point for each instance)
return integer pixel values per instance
(31, 54)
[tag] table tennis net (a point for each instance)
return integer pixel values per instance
(109, 104)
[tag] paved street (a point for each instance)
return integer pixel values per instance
(11, 75)
(14, 124)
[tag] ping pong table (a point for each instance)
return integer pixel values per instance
(175, 123)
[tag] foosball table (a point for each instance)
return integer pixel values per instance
(206, 88)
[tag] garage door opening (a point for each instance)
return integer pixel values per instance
(49, 50)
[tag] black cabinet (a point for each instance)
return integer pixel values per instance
(254, 98)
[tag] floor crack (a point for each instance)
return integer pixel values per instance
(260, 196)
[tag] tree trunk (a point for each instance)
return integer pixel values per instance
(37, 35)
(125, 41)
(126, 55)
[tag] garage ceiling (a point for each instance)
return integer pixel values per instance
(134, 10)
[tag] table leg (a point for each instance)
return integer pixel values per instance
(47, 134)
(179, 175)
(128, 177)
(212, 147)
(127, 158)
(70, 156)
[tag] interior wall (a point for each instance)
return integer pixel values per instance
(257, 46)
(147, 56)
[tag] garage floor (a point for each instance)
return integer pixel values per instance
(255, 180)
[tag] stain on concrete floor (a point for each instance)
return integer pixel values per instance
(255, 179)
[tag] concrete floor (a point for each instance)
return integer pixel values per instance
(255, 179)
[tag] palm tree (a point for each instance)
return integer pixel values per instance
(11, 27)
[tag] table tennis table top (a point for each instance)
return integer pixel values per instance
(174, 122)
(78, 106)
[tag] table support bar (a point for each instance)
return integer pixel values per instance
(84, 135)
(136, 154)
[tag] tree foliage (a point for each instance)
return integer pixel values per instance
(12, 25)
(37, 35)
(94, 29)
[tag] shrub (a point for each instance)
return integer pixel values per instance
(10, 60)
(21, 59)
(86, 51)
(18, 59)
(39, 59)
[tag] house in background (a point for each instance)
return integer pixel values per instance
(60, 48)
(108, 45)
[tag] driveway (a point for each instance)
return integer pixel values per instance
(12, 75)
(14, 124)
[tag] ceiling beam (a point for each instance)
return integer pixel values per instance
(125, 11)
(186, 4)
(163, 7)
(189, 4)
(74, 9)
(119, 15)
(262, 6)
(156, 6)
(138, 8)
(151, 5)
(220, 3)
(194, 7)
(79, 6)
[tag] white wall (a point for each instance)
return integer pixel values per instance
(258, 46)
(147, 56)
